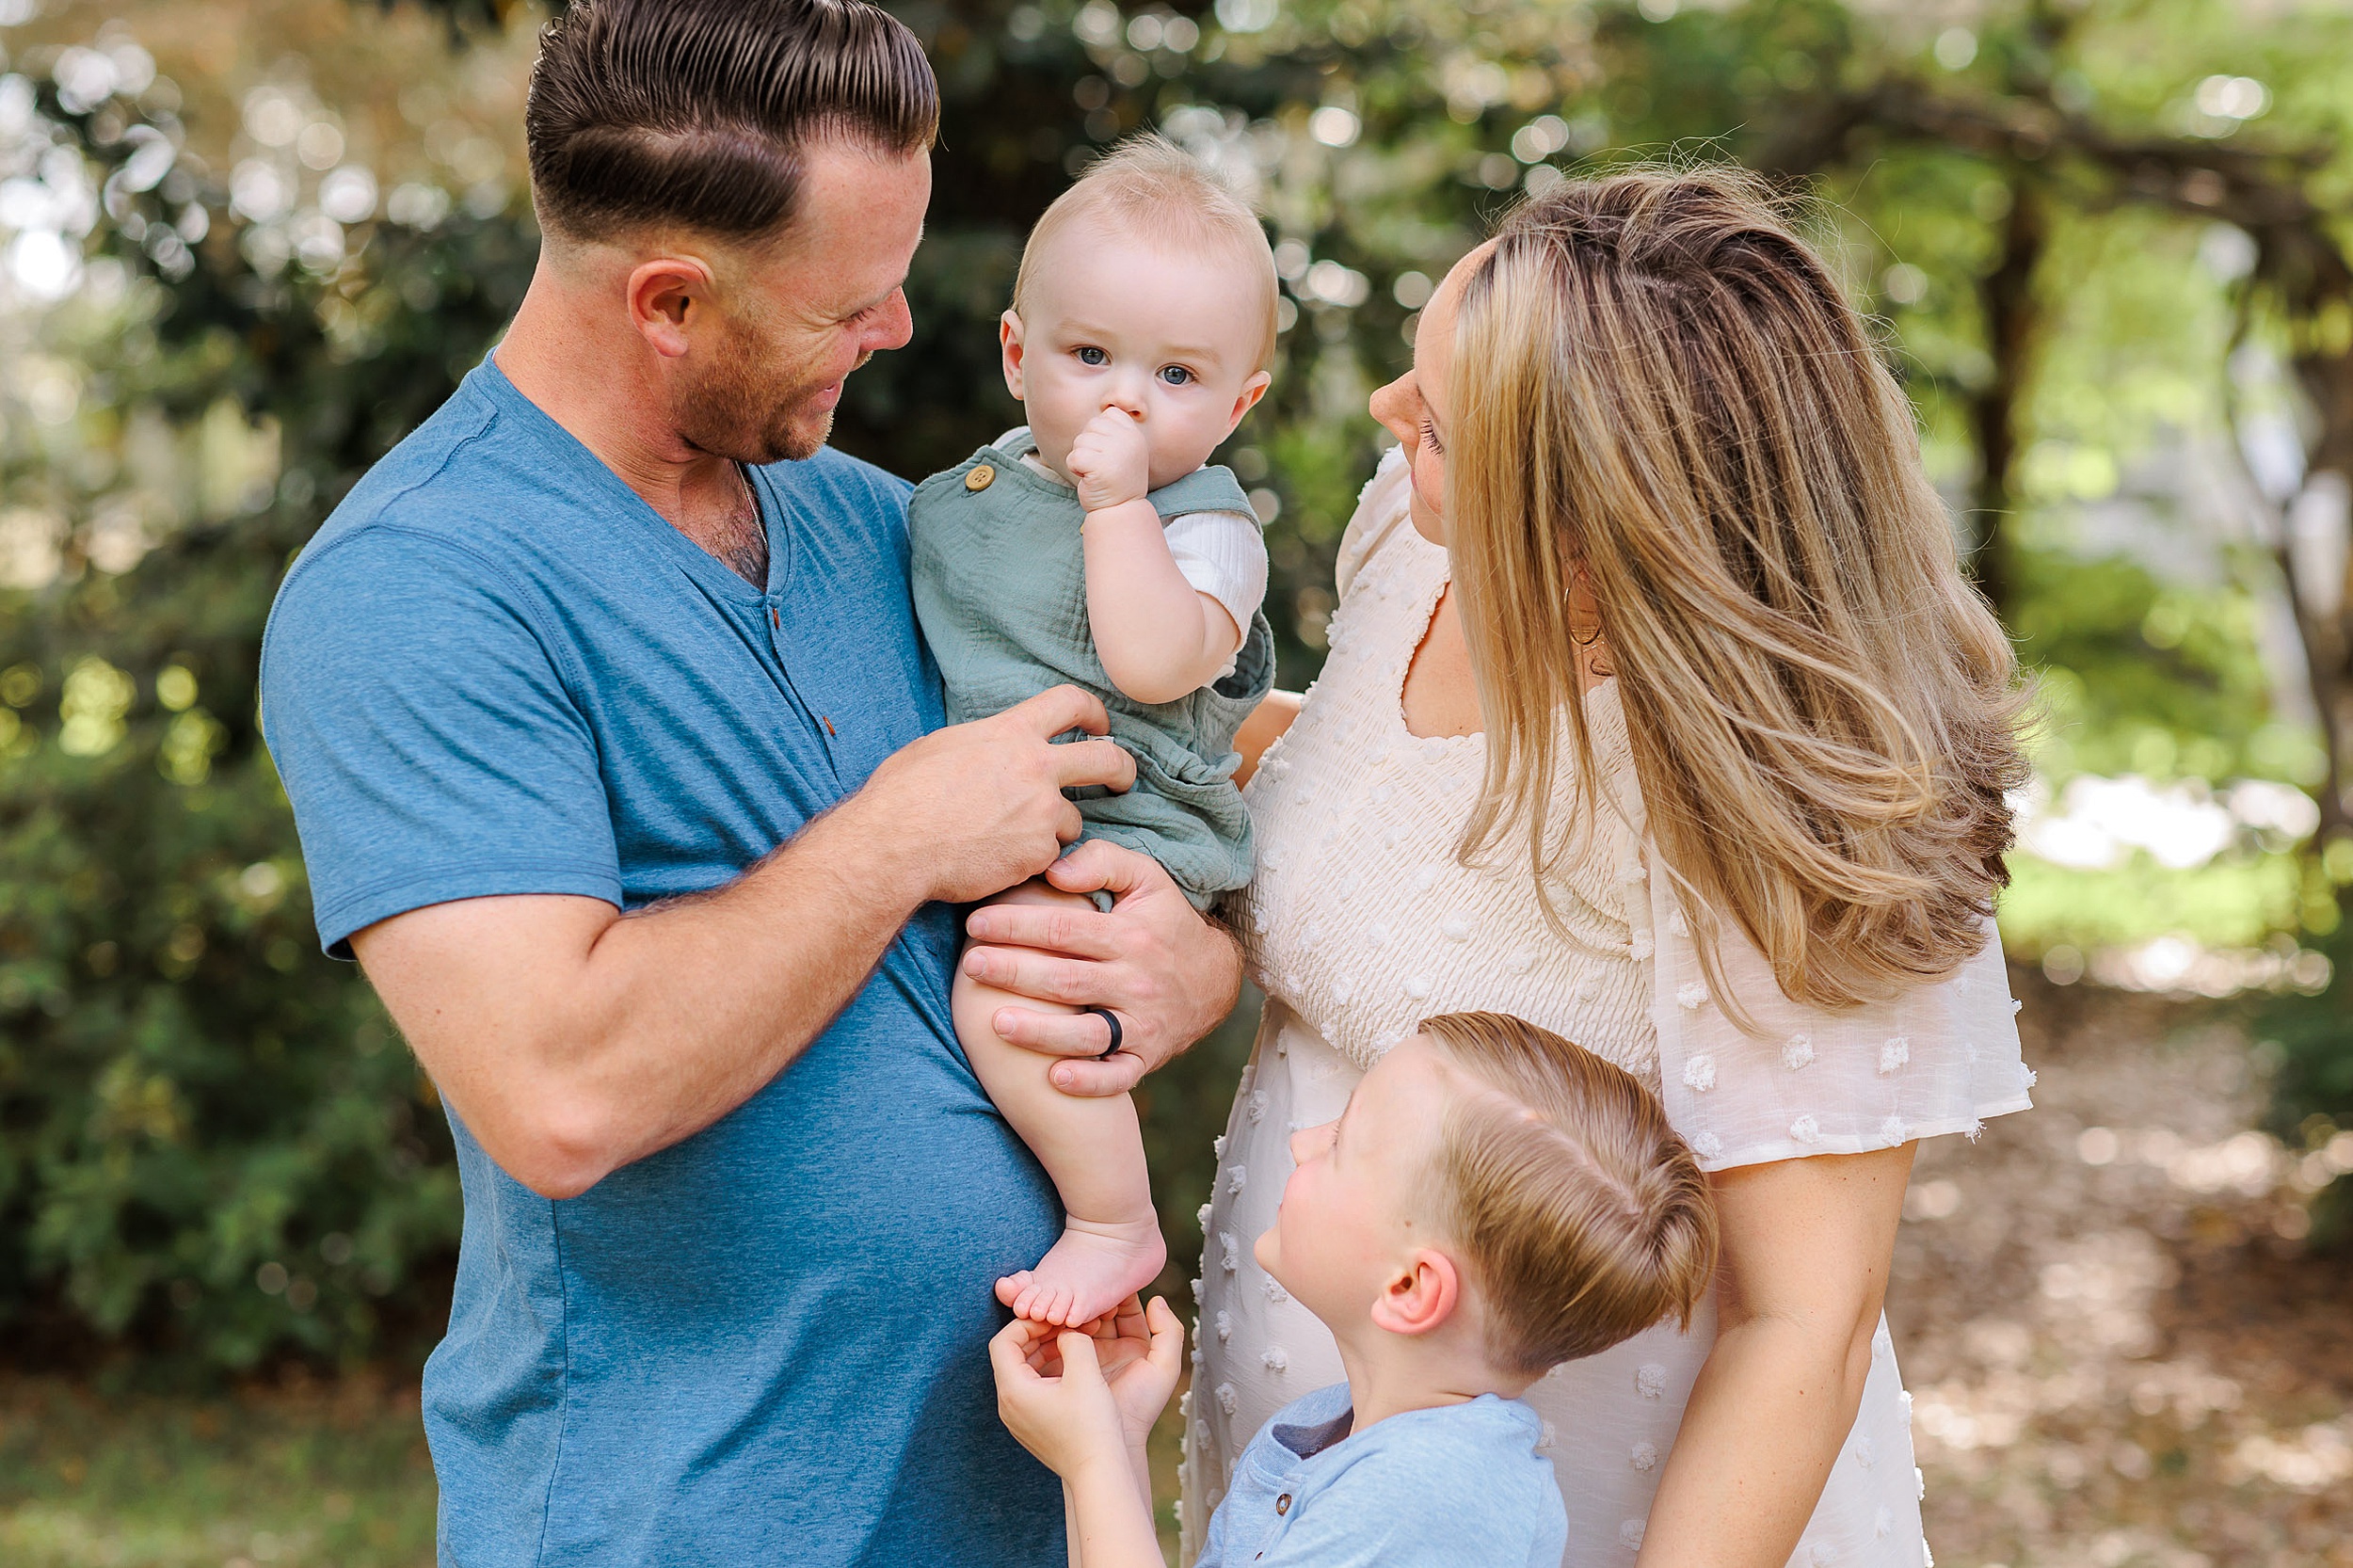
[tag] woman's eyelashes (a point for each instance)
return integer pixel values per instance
(1429, 434)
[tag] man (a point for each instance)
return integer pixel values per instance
(617, 765)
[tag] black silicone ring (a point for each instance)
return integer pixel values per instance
(1111, 1019)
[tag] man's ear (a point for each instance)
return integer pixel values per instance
(668, 296)
(1247, 398)
(1009, 340)
(1420, 1297)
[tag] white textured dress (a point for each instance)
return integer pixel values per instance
(1362, 921)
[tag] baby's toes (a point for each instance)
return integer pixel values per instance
(1010, 1289)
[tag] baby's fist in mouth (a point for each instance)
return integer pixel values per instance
(1111, 460)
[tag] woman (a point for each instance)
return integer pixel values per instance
(1659, 713)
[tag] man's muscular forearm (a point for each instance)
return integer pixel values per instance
(620, 1036)
(573, 1040)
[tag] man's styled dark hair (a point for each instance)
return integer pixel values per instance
(694, 112)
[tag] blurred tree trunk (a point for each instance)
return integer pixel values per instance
(2012, 321)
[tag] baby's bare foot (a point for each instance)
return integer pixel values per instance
(1088, 1273)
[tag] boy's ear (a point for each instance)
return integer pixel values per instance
(1009, 340)
(1420, 1297)
(1246, 399)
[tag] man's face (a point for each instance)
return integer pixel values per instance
(793, 317)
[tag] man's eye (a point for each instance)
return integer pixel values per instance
(1091, 357)
(1176, 375)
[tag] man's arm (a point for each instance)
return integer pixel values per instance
(573, 1040)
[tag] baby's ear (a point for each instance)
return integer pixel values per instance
(1245, 400)
(1421, 1297)
(1009, 342)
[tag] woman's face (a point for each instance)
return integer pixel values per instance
(1414, 406)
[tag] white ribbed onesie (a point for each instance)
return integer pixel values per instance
(1361, 923)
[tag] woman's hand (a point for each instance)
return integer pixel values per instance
(1268, 723)
(1169, 974)
(1806, 1246)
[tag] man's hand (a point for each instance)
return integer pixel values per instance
(1169, 974)
(1111, 461)
(978, 807)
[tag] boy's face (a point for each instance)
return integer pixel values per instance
(1356, 1209)
(1169, 334)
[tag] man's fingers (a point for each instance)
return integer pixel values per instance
(1101, 1079)
(1101, 866)
(1104, 763)
(1079, 932)
(1058, 710)
(1076, 1034)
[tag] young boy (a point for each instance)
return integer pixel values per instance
(1493, 1202)
(1093, 547)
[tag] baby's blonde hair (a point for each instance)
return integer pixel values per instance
(1575, 1209)
(1149, 186)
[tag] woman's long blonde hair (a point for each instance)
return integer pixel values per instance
(1656, 382)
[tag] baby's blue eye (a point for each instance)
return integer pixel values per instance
(1176, 376)
(1093, 356)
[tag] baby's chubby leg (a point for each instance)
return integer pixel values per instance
(1111, 1245)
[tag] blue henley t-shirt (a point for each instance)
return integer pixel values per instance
(497, 670)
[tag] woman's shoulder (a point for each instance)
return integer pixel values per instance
(1380, 516)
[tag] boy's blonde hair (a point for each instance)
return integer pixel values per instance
(1149, 186)
(1581, 1215)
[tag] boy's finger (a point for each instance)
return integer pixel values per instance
(1168, 1337)
(1009, 1350)
(1078, 1356)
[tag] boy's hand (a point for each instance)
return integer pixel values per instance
(1075, 1407)
(1111, 460)
(1139, 1349)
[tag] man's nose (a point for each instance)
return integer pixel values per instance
(894, 326)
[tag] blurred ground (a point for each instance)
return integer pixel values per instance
(2119, 1358)
(2117, 1354)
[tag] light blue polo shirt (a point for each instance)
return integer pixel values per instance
(1453, 1486)
(496, 670)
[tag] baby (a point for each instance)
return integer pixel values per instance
(1492, 1202)
(1093, 547)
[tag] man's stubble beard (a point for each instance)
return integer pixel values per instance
(734, 410)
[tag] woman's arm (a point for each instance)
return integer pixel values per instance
(1266, 725)
(1806, 1249)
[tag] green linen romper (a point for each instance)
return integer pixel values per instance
(1000, 578)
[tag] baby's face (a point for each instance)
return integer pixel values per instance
(1355, 1208)
(1169, 334)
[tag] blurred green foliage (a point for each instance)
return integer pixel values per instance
(211, 1146)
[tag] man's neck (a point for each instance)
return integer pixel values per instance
(604, 395)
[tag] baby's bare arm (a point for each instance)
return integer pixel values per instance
(1158, 635)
